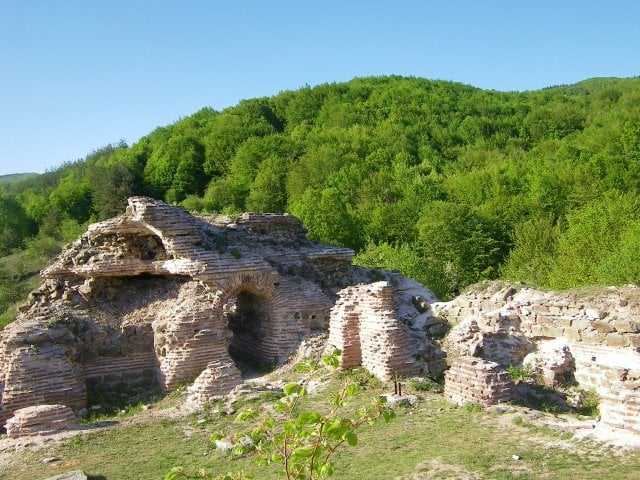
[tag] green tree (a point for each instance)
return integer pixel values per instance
(532, 258)
(328, 218)
(72, 196)
(622, 264)
(593, 233)
(15, 226)
(175, 168)
(268, 190)
(111, 186)
(465, 245)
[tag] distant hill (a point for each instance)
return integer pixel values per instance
(448, 183)
(17, 176)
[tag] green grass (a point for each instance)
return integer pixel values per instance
(433, 440)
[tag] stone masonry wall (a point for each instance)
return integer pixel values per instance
(41, 420)
(594, 333)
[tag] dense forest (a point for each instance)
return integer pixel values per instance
(447, 183)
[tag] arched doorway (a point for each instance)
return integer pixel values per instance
(248, 316)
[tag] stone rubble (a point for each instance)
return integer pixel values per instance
(72, 475)
(41, 420)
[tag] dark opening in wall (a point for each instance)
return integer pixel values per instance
(248, 316)
(121, 391)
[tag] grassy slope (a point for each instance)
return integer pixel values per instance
(432, 440)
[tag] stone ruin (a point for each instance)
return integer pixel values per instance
(41, 420)
(589, 339)
(158, 298)
(365, 327)
(476, 380)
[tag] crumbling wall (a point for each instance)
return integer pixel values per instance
(365, 326)
(218, 379)
(156, 297)
(591, 337)
(38, 367)
(475, 380)
(41, 420)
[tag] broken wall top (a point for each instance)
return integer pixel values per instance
(159, 239)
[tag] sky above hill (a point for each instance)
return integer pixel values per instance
(77, 75)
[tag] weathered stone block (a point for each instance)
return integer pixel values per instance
(563, 322)
(581, 323)
(595, 314)
(572, 334)
(616, 340)
(634, 341)
(626, 326)
(602, 327)
(553, 332)
(545, 320)
(592, 337)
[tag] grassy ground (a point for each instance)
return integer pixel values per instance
(433, 440)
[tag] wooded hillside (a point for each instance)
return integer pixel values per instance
(447, 183)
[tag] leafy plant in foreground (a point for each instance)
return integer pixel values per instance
(301, 442)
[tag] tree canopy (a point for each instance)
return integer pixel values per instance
(447, 183)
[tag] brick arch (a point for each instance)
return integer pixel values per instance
(248, 308)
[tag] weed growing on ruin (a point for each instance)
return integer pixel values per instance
(589, 405)
(302, 442)
(543, 430)
(543, 399)
(59, 320)
(520, 373)
(236, 252)
(424, 384)
(361, 377)
(252, 400)
(117, 401)
(377, 275)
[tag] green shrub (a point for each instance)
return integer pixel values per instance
(424, 384)
(590, 405)
(520, 373)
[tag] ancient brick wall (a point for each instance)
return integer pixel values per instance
(475, 380)
(41, 420)
(218, 379)
(38, 368)
(365, 326)
(156, 296)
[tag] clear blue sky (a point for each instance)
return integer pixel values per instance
(76, 75)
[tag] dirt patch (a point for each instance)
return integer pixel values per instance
(435, 469)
